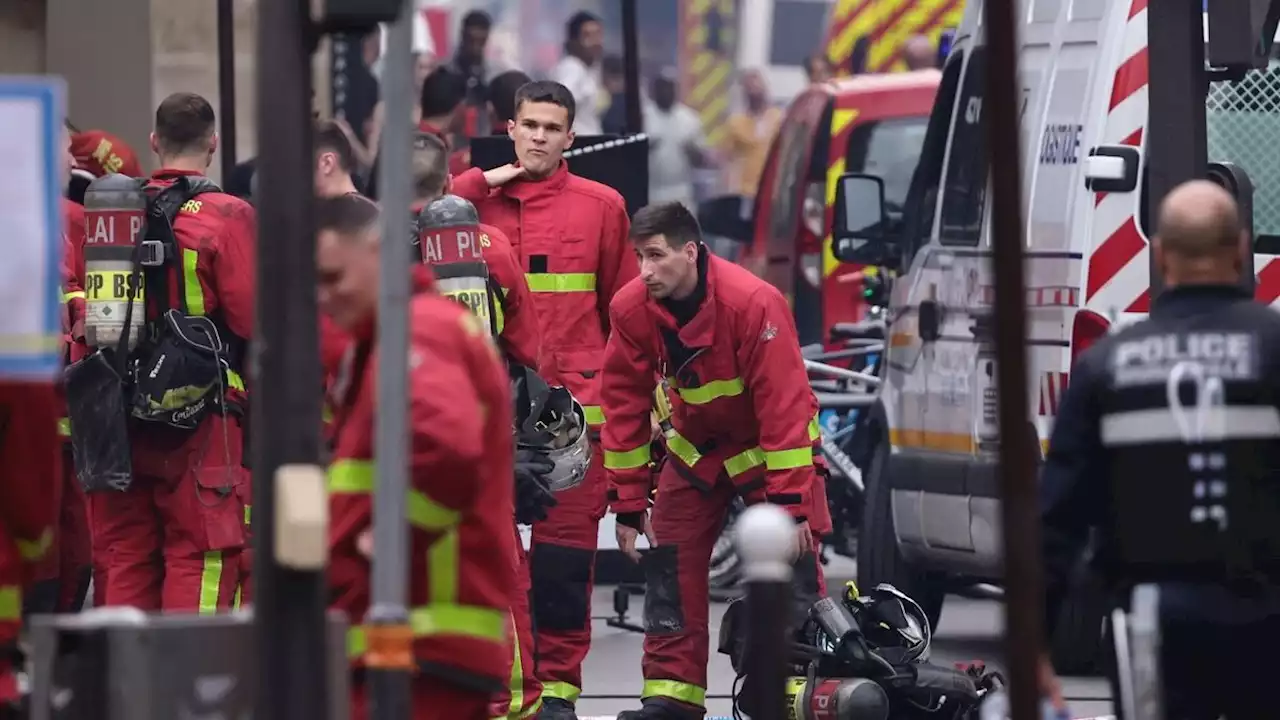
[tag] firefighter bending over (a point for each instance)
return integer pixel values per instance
(463, 550)
(158, 406)
(742, 423)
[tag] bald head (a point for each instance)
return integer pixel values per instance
(919, 53)
(1199, 238)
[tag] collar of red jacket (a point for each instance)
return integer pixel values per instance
(428, 128)
(174, 173)
(701, 329)
(524, 189)
(424, 281)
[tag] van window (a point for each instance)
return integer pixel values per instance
(792, 173)
(964, 192)
(922, 197)
(1243, 123)
(890, 150)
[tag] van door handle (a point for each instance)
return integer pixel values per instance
(929, 317)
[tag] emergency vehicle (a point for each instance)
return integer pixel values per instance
(1093, 168)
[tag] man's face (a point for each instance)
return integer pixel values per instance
(591, 40)
(474, 40)
(347, 277)
(664, 269)
(541, 135)
(422, 67)
(664, 93)
(819, 70)
(753, 87)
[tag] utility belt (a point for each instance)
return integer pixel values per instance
(175, 379)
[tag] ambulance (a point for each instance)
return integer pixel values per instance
(1114, 113)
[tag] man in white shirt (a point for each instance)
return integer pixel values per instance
(579, 70)
(676, 144)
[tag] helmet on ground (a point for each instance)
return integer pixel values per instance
(549, 420)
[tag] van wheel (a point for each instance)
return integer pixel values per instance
(1077, 646)
(879, 560)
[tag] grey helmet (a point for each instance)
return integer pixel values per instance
(550, 420)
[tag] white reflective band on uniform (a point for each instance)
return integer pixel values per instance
(1224, 422)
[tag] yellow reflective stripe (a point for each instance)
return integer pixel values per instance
(210, 580)
(661, 405)
(326, 414)
(64, 427)
(73, 295)
(194, 295)
(442, 569)
(744, 461)
(788, 459)
(355, 477)
(10, 603)
(594, 414)
(33, 550)
(815, 430)
(562, 690)
(676, 690)
(235, 603)
(499, 316)
(531, 711)
(626, 459)
(515, 686)
(248, 510)
(561, 282)
(446, 619)
(682, 448)
(713, 390)
(234, 381)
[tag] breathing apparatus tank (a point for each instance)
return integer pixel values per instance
(115, 211)
(836, 699)
(448, 240)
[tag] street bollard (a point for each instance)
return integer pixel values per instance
(766, 542)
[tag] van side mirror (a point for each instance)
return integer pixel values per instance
(1112, 169)
(860, 231)
(728, 216)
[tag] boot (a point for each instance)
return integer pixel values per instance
(662, 709)
(557, 709)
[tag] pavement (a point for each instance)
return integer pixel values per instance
(969, 630)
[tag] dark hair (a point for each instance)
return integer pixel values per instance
(349, 214)
(430, 165)
(442, 92)
(811, 63)
(573, 28)
(478, 19)
(184, 123)
(546, 91)
(671, 220)
(612, 65)
(502, 93)
(330, 138)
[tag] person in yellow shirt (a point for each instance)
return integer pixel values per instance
(751, 133)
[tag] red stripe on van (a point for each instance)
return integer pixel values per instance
(1137, 7)
(1112, 255)
(1142, 304)
(1132, 75)
(1268, 289)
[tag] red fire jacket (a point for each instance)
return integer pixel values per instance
(29, 483)
(741, 405)
(460, 505)
(571, 237)
(72, 271)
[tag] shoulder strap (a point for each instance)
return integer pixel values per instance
(162, 212)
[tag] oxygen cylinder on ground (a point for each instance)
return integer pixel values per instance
(836, 699)
(450, 241)
(115, 211)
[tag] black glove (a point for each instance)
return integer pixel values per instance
(533, 497)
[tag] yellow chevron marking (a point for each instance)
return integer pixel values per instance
(700, 6)
(710, 83)
(698, 36)
(841, 119)
(844, 8)
(870, 16)
(911, 22)
(715, 111)
(702, 63)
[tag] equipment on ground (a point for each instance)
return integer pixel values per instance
(115, 212)
(550, 420)
(447, 235)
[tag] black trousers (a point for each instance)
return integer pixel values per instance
(1213, 670)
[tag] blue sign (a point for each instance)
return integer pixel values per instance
(32, 110)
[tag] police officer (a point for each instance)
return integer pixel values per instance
(1166, 445)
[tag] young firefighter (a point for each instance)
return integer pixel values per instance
(462, 550)
(571, 235)
(742, 423)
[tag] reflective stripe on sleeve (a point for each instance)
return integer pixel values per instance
(355, 477)
(73, 295)
(626, 459)
(560, 282)
(10, 603)
(676, 690)
(594, 414)
(33, 550)
(708, 392)
(436, 620)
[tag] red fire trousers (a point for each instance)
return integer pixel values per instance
(686, 523)
(175, 540)
(62, 579)
(562, 566)
(523, 697)
(433, 699)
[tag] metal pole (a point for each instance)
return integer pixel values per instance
(289, 604)
(766, 540)
(390, 683)
(1020, 509)
(227, 87)
(631, 65)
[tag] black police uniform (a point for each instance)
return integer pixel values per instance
(1167, 445)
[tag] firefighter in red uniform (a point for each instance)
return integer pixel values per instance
(520, 339)
(571, 236)
(443, 94)
(743, 423)
(462, 549)
(192, 480)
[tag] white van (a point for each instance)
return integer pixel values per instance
(932, 518)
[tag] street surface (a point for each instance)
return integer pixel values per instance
(970, 630)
